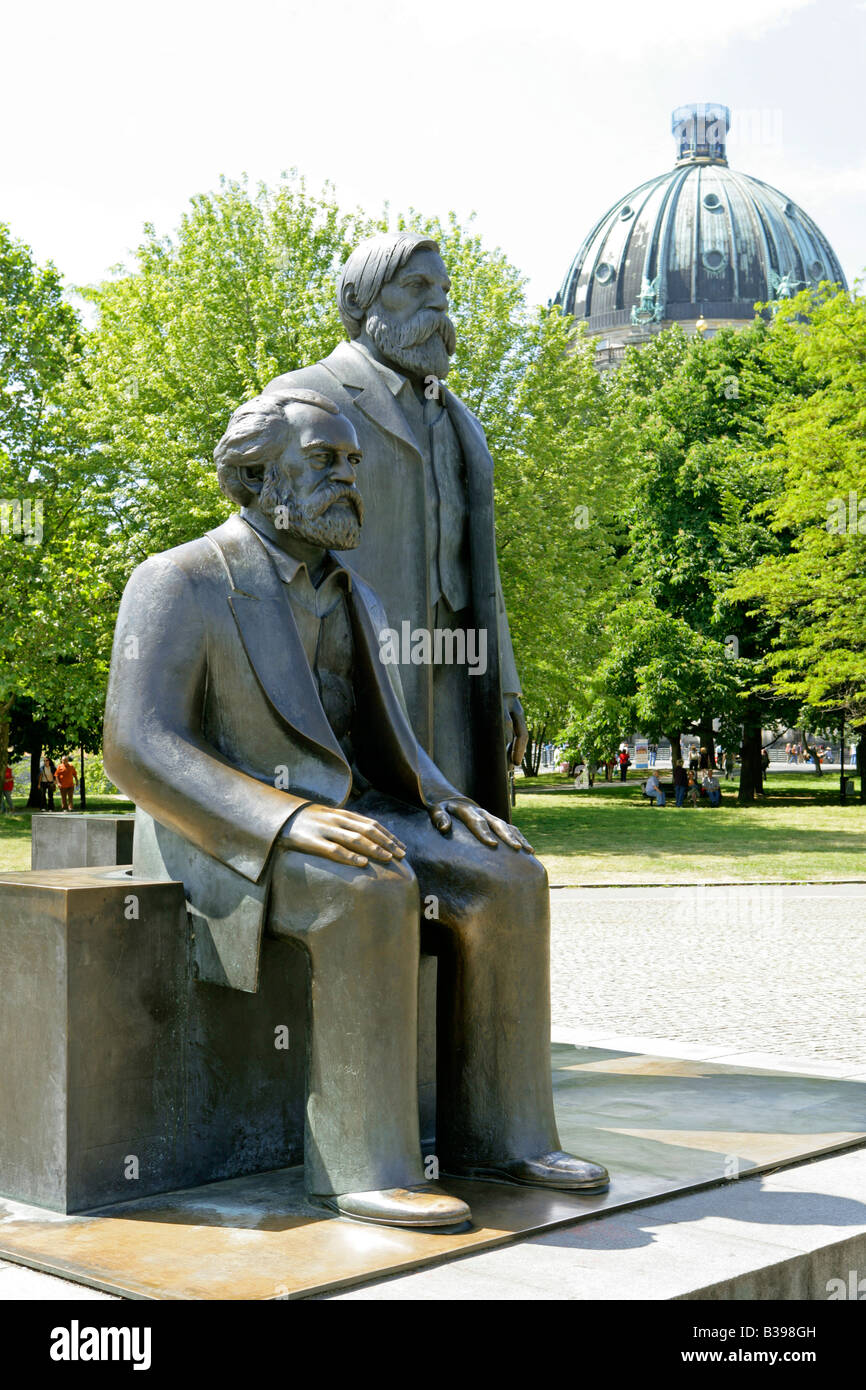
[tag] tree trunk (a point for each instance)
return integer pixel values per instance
(532, 756)
(5, 725)
(861, 762)
(527, 756)
(34, 800)
(82, 789)
(708, 737)
(675, 741)
(751, 770)
(816, 761)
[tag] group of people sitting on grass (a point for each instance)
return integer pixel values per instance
(689, 786)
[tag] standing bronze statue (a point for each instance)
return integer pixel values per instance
(275, 771)
(428, 546)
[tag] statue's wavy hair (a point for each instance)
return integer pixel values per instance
(371, 265)
(256, 435)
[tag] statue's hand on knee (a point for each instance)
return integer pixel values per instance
(341, 836)
(485, 827)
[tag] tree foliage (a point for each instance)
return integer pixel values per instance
(50, 581)
(814, 587)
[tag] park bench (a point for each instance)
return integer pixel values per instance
(669, 790)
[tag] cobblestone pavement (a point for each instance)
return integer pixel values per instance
(771, 968)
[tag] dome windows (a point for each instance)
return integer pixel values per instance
(714, 260)
(698, 238)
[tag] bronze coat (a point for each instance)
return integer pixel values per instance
(212, 710)
(392, 555)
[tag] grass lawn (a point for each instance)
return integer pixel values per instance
(15, 830)
(610, 834)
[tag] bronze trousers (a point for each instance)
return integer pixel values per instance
(485, 914)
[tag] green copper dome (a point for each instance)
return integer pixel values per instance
(701, 240)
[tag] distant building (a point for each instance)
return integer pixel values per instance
(697, 246)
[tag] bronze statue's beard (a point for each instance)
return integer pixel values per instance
(331, 518)
(423, 346)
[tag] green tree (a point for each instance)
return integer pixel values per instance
(814, 589)
(654, 676)
(701, 463)
(242, 291)
(48, 581)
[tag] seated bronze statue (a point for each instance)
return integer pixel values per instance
(275, 772)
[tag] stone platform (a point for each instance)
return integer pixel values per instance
(666, 1128)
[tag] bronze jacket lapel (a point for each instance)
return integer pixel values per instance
(374, 399)
(270, 636)
(384, 740)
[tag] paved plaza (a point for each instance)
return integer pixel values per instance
(769, 968)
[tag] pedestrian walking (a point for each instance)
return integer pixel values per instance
(8, 784)
(47, 783)
(66, 777)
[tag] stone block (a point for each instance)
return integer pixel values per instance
(124, 1076)
(70, 840)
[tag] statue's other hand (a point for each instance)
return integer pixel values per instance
(341, 835)
(485, 827)
(515, 717)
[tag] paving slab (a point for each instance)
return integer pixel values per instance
(663, 1126)
(765, 968)
(798, 1234)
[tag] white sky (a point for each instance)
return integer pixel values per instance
(537, 115)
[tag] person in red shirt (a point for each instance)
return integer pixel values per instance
(66, 780)
(8, 784)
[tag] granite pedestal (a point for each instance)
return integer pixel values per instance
(122, 1074)
(70, 840)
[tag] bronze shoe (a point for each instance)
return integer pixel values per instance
(558, 1171)
(422, 1205)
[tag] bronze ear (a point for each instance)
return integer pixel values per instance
(252, 476)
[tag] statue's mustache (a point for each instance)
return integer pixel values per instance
(416, 330)
(331, 493)
(277, 492)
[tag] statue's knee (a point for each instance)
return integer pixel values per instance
(508, 876)
(384, 899)
(394, 883)
(331, 898)
(534, 873)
